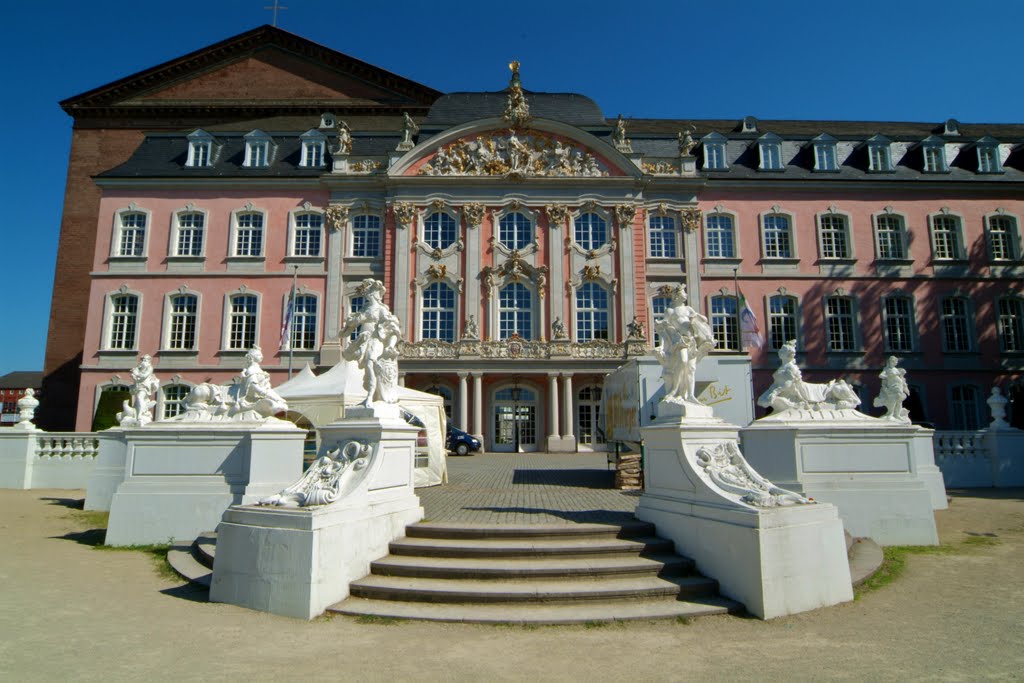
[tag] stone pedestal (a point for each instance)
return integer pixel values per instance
(561, 444)
(109, 471)
(296, 562)
(180, 477)
(17, 455)
(882, 477)
(775, 560)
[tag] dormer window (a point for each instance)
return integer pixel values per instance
(770, 147)
(825, 153)
(313, 144)
(257, 149)
(988, 156)
(200, 149)
(934, 149)
(714, 152)
(879, 154)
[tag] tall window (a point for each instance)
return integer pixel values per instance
(304, 322)
(781, 320)
(514, 231)
(181, 335)
(189, 239)
(714, 156)
(898, 318)
(1011, 324)
(956, 329)
(439, 312)
(839, 323)
(889, 237)
(771, 155)
(721, 240)
(778, 240)
(308, 234)
(366, 236)
(124, 321)
(249, 234)
(257, 149)
(663, 237)
(200, 149)
(965, 405)
(242, 322)
(988, 159)
(946, 238)
(1001, 240)
(879, 157)
(592, 312)
(355, 305)
(312, 149)
(132, 234)
(834, 240)
(825, 157)
(515, 314)
(724, 324)
(934, 158)
(659, 305)
(174, 399)
(439, 230)
(591, 231)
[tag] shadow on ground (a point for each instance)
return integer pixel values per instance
(72, 503)
(90, 537)
(188, 591)
(587, 479)
(988, 494)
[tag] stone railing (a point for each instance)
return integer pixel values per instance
(960, 444)
(558, 349)
(67, 445)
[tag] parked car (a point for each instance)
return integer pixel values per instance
(461, 443)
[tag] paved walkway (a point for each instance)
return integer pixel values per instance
(528, 488)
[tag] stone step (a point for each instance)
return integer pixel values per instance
(528, 547)
(538, 614)
(184, 563)
(406, 589)
(205, 548)
(494, 531)
(866, 558)
(655, 564)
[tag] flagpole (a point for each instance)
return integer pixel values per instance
(291, 320)
(739, 320)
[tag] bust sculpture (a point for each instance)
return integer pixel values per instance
(685, 338)
(375, 347)
(789, 391)
(893, 392)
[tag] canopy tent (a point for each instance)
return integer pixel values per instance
(322, 399)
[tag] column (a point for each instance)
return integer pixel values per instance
(401, 379)
(478, 406)
(463, 402)
(568, 438)
(552, 405)
(330, 349)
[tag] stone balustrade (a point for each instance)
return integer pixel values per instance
(983, 458)
(949, 444)
(67, 445)
(515, 348)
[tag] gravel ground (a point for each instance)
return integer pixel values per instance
(71, 611)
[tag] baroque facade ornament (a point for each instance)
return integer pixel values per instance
(405, 213)
(730, 472)
(686, 141)
(327, 480)
(474, 213)
(691, 218)
(344, 146)
(624, 215)
(512, 153)
(619, 138)
(661, 168)
(437, 271)
(409, 129)
(557, 215)
(517, 110)
(337, 216)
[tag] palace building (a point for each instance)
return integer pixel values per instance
(526, 240)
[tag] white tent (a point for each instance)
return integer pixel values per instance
(323, 399)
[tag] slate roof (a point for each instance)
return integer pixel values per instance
(460, 107)
(22, 379)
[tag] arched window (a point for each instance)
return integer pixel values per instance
(242, 321)
(181, 323)
(124, 322)
(592, 312)
(591, 231)
(782, 319)
(307, 234)
(438, 317)
(131, 234)
(724, 324)
(663, 237)
(514, 231)
(174, 396)
(366, 236)
(188, 239)
(439, 230)
(515, 312)
(778, 237)
(303, 323)
(720, 240)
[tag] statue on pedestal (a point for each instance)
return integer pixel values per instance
(375, 348)
(256, 399)
(344, 147)
(790, 392)
(893, 392)
(139, 411)
(685, 338)
(635, 329)
(686, 142)
(558, 329)
(409, 128)
(27, 405)
(472, 330)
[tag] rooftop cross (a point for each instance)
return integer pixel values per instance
(276, 6)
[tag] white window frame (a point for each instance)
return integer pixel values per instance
(719, 212)
(879, 154)
(168, 320)
(108, 320)
(967, 344)
(379, 230)
(162, 402)
(715, 149)
(610, 310)
(934, 153)
(728, 322)
(425, 216)
(826, 154)
(173, 248)
(790, 218)
(421, 310)
(255, 141)
(910, 317)
(1012, 236)
(957, 236)
(293, 227)
(248, 209)
(119, 230)
(770, 318)
(531, 218)
(317, 318)
(226, 322)
(673, 231)
(531, 310)
(989, 157)
(852, 316)
(766, 144)
(846, 233)
(200, 149)
(655, 314)
(600, 213)
(901, 234)
(1014, 320)
(314, 149)
(350, 310)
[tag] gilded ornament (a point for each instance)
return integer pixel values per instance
(404, 212)
(691, 219)
(474, 213)
(337, 216)
(557, 214)
(512, 153)
(624, 214)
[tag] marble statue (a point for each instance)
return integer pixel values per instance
(256, 399)
(472, 330)
(686, 143)
(375, 347)
(894, 392)
(139, 411)
(27, 405)
(635, 329)
(997, 405)
(558, 329)
(685, 338)
(327, 480)
(344, 139)
(790, 392)
(730, 471)
(409, 129)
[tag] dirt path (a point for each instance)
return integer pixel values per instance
(70, 611)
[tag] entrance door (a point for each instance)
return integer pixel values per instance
(589, 431)
(515, 420)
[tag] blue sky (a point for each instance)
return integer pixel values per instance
(900, 60)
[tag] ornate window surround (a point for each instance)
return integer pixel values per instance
(676, 230)
(1014, 236)
(108, 320)
(225, 347)
(903, 236)
(494, 309)
(507, 208)
(847, 219)
(737, 256)
(961, 252)
(233, 233)
(172, 246)
(302, 290)
(456, 310)
(605, 215)
(422, 216)
(118, 229)
(165, 334)
(307, 209)
(374, 209)
(610, 288)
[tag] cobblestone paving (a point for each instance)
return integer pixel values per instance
(528, 488)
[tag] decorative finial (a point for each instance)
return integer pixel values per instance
(514, 66)
(517, 111)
